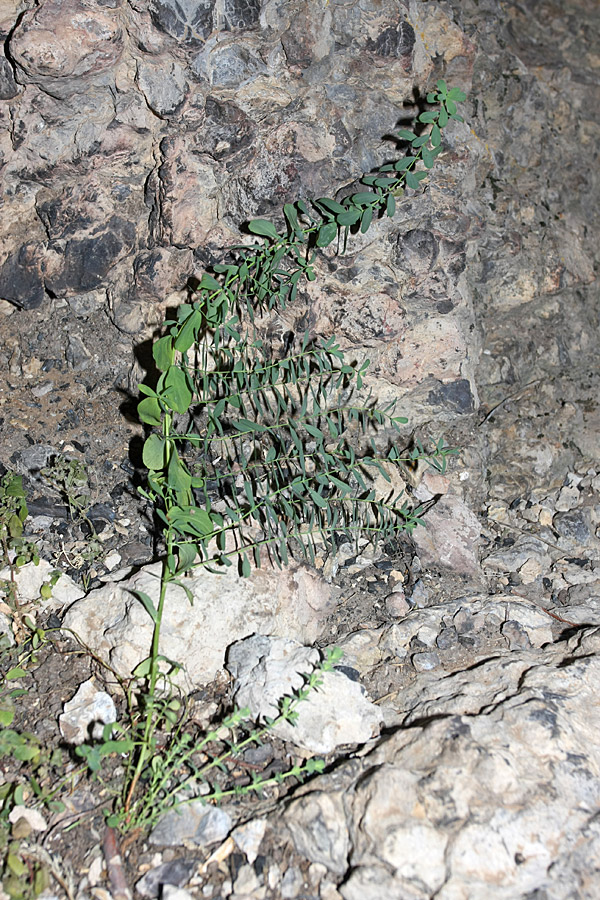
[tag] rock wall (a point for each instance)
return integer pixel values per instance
(136, 139)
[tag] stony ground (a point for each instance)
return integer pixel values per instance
(475, 639)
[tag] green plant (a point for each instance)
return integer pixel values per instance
(16, 550)
(23, 874)
(69, 478)
(182, 769)
(278, 451)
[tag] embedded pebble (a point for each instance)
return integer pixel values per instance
(424, 662)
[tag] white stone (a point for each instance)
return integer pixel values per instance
(33, 817)
(248, 837)
(226, 607)
(336, 713)
(89, 706)
(568, 498)
(29, 580)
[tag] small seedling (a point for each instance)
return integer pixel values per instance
(16, 550)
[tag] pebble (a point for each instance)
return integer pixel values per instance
(248, 837)
(396, 604)
(424, 662)
(194, 822)
(175, 874)
(420, 595)
(568, 499)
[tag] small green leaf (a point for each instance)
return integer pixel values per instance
(321, 502)
(363, 198)
(443, 118)
(187, 332)
(289, 211)
(14, 673)
(147, 603)
(209, 283)
(456, 94)
(178, 476)
(327, 234)
(177, 391)
(390, 205)
(247, 425)
(405, 134)
(143, 669)
(149, 411)
(26, 752)
(451, 107)
(162, 351)
(427, 157)
(412, 181)
(153, 454)
(331, 205)
(246, 567)
(16, 866)
(263, 228)
(418, 142)
(436, 136)
(15, 526)
(366, 219)
(314, 432)
(428, 116)
(6, 717)
(350, 217)
(187, 554)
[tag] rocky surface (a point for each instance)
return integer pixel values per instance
(135, 139)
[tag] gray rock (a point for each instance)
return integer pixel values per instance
(186, 20)
(248, 837)
(451, 538)
(164, 87)
(424, 662)
(175, 873)
(267, 669)
(508, 762)
(8, 86)
(226, 608)
(192, 823)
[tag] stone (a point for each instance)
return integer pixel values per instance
(172, 892)
(186, 20)
(89, 707)
(424, 662)
(64, 43)
(173, 874)
(568, 498)
(21, 279)
(165, 89)
(318, 828)
(508, 762)
(192, 823)
(8, 85)
(226, 608)
(248, 837)
(267, 669)
(34, 818)
(29, 580)
(396, 604)
(451, 538)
